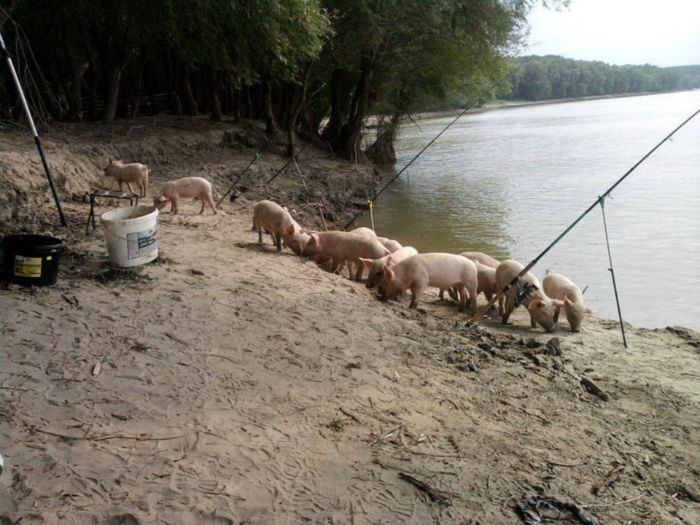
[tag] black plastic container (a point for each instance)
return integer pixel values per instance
(31, 259)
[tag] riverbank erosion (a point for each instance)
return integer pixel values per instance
(227, 383)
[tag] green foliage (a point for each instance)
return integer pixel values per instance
(553, 77)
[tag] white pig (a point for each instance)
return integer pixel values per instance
(184, 188)
(390, 244)
(481, 257)
(542, 308)
(344, 247)
(559, 287)
(272, 218)
(128, 174)
(437, 270)
(376, 266)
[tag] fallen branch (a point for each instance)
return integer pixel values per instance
(108, 436)
(594, 389)
(604, 505)
(349, 415)
(434, 494)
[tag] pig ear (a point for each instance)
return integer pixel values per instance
(588, 310)
(388, 273)
(313, 238)
(537, 303)
(389, 261)
(367, 263)
(161, 199)
(558, 302)
(289, 230)
(568, 302)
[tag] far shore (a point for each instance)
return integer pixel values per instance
(512, 104)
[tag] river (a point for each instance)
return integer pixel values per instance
(508, 181)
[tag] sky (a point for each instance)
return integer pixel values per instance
(663, 33)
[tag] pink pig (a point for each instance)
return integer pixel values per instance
(559, 287)
(376, 266)
(342, 247)
(543, 310)
(390, 244)
(481, 257)
(438, 270)
(272, 218)
(184, 188)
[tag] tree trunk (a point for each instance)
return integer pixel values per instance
(351, 134)
(139, 91)
(335, 124)
(216, 114)
(294, 113)
(115, 76)
(382, 150)
(189, 100)
(75, 94)
(270, 122)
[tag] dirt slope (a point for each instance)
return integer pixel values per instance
(238, 385)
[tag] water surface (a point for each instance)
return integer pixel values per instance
(508, 181)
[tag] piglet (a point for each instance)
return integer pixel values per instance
(272, 218)
(186, 187)
(559, 287)
(481, 257)
(128, 174)
(344, 247)
(542, 308)
(438, 270)
(376, 266)
(390, 244)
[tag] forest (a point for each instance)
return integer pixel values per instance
(313, 67)
(554, 77)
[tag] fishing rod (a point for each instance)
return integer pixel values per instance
(600, 201)
(279, 171)
(371, 201)
(255, 157)
(6, 54)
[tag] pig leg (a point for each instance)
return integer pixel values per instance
(210, 201)
(121, 185)
(260, 241)
(416, 291)
(441, 295)
(128, 185)
(501, 299)
(360, 270)
(145, 186)
(201, 210)
(472, 289)
(453, 293)
(461, 296)
(276, 238)
(509, 306)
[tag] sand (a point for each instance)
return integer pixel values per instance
(227, 383)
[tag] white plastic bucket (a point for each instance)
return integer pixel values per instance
(132, 235)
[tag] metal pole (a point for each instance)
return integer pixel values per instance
(612, 272)
(28, 114)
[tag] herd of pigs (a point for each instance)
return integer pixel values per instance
(391, 268)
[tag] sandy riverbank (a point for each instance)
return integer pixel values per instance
(238, 385)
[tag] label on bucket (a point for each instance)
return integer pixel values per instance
(141, 243)
(27, 266)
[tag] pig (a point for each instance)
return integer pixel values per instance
(368, 233)
(542, 308)
(559, 287)
(486, 278)
(390, 244)
(437, 270)
(129, 173)
(376, 266)
(342, 247)
(481, 257)
(186, 187)
(272, 218)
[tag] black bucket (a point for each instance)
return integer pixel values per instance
(31, 259)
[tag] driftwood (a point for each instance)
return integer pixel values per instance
(594, 389)
(434, 494)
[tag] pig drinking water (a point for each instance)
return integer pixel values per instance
(559, 287)
(542, 308)
(376, 266)
(128, 174)
(481, 257)
(437, 270)
(184, 188)
(272, 218)
(390, 244)
(344, 247)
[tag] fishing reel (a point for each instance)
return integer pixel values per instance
(525, 293)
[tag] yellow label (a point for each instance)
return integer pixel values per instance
(27, 266)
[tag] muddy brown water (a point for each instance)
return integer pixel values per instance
(508, 181)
